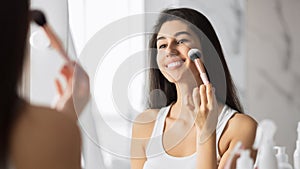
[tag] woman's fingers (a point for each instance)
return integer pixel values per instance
(196, 98)
(59, 87)
(67, 72)
(203, 97)
(210, 96)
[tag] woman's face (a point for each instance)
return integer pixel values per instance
(174, 40)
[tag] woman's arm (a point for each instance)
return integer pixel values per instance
(141, 133)
(138, 156)
(206, 153)
(239, 128)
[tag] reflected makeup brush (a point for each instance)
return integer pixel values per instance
(39, 18)
(195, 55)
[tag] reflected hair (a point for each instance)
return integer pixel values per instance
(219, 76)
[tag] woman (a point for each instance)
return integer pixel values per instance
(201, 124)
(33, 136)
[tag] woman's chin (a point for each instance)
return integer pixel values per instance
(183, 78)
(179, 75)
(176, 78)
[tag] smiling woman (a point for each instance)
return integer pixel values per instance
(171, 44)
(201, 124)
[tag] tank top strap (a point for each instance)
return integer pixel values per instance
(223, 119)
(154, 146)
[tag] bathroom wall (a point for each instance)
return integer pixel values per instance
(272, 66)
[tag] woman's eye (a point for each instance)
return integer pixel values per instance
(161, 46)
(182, 41)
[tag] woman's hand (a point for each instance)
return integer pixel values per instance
(205, 111)
(75, 96)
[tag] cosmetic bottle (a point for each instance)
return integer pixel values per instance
(282, 158)
(264, 143)
(297, 150)
(244, 161)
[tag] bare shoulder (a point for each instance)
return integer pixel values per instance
(147, 116)
(241, 127)
(144, 123)
(46, 122)
(242, 123)
(49, 138)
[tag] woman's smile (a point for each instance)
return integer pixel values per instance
(174, 64)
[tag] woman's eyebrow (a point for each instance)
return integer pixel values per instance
(175, 35)
(160, 38)
(182, 32)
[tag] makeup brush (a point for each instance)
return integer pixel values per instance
(39, 18)
(195, 55)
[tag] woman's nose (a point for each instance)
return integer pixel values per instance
(171, 49)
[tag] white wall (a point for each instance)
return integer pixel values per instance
(46, 62)
(273, 74)
(88, 19)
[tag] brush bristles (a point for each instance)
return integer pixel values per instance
(194, 54)
(38, 17)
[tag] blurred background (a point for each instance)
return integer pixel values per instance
(259, 39)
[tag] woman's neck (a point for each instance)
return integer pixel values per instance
(184, 90)
(185, 97)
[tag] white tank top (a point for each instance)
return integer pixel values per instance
(157, 158)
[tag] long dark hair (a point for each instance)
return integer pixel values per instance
(14, 27)
(219, 74)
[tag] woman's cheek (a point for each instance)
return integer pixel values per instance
(159, 61)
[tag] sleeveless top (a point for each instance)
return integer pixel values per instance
(157, 158)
